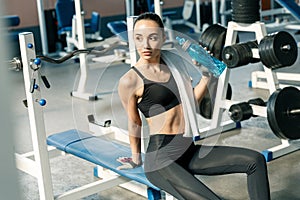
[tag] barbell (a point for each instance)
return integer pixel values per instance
(283, 112)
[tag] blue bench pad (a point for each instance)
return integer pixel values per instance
(100, 151)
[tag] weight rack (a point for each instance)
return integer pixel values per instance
(286, 146)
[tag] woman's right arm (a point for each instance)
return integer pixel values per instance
(127, 92)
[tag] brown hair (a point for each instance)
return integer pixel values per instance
(150, 16)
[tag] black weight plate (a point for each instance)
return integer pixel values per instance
(219, 32)
(245, 53)
(216, 32)
(245, 17)
(269, 48)
(206, 36)
(219, 45)
(230, 56)
(286, 57)
(263, 53)
(241, 7)
(283, 125)
(209, 34)
(237, 55)
(246, 20)
(244, 2)
(272, 53)
(213, 38)
(240, 112)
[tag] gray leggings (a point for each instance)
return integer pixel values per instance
(172, 161)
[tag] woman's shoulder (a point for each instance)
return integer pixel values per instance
(129, 79)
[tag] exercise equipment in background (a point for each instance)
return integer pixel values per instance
(67, 25)
(271, 47)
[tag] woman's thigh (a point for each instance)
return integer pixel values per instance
(217, 160)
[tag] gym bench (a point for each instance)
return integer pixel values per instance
(102, 152)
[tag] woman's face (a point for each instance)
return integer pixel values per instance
(148, 38)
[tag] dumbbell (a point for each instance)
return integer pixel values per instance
(275, 50)
(243, 111)
(282, 112)
(240, 54)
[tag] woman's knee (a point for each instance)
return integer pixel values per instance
(258, 162)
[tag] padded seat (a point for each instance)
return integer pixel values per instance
(11, 20)
(119, 28)
(100, 151)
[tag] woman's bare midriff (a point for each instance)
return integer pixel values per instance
(169, 122)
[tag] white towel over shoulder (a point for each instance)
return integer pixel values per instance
(178, 66)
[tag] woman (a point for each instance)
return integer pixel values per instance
(172, 160)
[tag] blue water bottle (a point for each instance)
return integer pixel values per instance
(215, 66)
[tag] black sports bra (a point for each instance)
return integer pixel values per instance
(158, 97)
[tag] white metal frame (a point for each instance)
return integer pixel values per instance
(80, 92)
(258, 79)
(37, 162)
(40, 167)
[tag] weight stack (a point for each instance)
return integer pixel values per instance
(245, 11)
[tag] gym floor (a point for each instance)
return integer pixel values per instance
(63, 112)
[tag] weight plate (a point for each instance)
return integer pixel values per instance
(241, 111)
(284, 125)
(278, 50)
(274, 62)
(245, 2)
(230, 56)
(205, 36)
(245, 18)
(237, 55)
(213, 38)
(263, 53)
(285, 48)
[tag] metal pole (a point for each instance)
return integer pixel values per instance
(36, 119)
(43, 32)
(214, 11)
(157, 8)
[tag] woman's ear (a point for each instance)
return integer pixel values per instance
(164, 37)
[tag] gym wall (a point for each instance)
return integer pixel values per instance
(27, 10)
